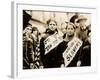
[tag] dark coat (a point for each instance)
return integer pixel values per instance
(86, 54)
(52, 59)
(62, 47)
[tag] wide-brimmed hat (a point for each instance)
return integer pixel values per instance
(81, 17)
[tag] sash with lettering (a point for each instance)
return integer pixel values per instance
(51, 42)
(72, 49)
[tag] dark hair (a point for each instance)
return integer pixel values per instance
(29, 24)
(50, 21)
(73, 18)
(70, 23)
(89, 31)
(34, 29)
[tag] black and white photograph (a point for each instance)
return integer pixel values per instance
(53, 40)
(50, 40)
(56, 39)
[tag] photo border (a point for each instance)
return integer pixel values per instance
(17, 70)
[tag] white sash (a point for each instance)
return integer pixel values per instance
(71, 50)
(51, 42)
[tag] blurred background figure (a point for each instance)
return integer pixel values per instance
(74, 20)
(63, 28)
(83, 33)
(82, 29)
(27, 46)
(86, 53)
(35, 64)
(31, 55)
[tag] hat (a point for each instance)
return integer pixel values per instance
(72, 19)
(81, 17)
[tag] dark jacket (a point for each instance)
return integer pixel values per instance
(86, 54)
(52, 59)
(62, 47)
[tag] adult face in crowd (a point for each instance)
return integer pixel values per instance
(28, 29)
(35, 31)
(82, 22)
(63, 27)
(70, 29)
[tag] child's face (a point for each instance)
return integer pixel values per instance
(52, 26)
